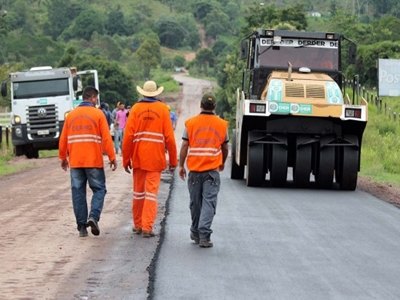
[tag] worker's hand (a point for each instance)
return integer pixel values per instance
(128, 168)
(113, 164)
(221, 167)
(64, 164)
(182, 173)
(171, 169)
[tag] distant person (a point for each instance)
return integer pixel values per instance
(84, 137)
(148, 133)
(173, 116)
(205, 145)
(106, 110)
(119, 126)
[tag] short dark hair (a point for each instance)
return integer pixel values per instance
(89, 92)
(208, 102)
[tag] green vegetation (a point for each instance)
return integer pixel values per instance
(130, 41)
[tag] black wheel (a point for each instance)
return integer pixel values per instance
(302, 167)
(32, 152)
(255, 175)
(349, 168)
(278, 170)
(237, 172)
(325, 168)
(19, 150)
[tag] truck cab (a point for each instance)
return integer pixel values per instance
(41, 97)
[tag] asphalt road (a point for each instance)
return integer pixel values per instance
(272, 243)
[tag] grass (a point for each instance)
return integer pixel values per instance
(380, 155)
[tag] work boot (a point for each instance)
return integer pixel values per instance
(205, 243)
(83, 232)
(194, 238)
(137, 230)
(147, 234)
(94, 226)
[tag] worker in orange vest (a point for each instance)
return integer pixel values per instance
(148, 133)
(205, 145)
(84, 137)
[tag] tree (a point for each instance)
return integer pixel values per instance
(149, 56)
(61, 13)
(204, 59)
(170, 32)
(85, 25)
(216, 23)
(115, 23)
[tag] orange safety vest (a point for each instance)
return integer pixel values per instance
(148, 133)
(206, 133)
(84, 138)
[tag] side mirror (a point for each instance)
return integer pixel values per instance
(4, 88)
(352, 53)
(75, 83)
(244, 49)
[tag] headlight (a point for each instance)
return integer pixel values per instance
(17, 119)
(18, 131)
(66, 114)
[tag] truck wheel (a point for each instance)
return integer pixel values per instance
(32, 153)
(237, 172)
(326, 166)
(255, 175)
(349, 168)
(302, 167)
(278, 165)
(19, 150)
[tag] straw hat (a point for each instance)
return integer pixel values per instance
(150, 89)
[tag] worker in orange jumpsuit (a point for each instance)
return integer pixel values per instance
(84, 138)
(148, 133)
(205, 145)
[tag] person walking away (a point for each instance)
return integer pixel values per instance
(173, 116)
(119, 125)
(205, 145)
(106, 110)
(148, 133)
(84, 137)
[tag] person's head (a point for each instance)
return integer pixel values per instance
(73, 70)
(208, 102)
(90, 94)
(121, 105)
(150, 89)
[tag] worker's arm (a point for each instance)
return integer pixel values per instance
(182, 157)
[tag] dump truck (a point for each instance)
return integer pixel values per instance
(41, 98)
(295, 123)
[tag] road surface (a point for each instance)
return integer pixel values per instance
(272, 243)
(269, 243)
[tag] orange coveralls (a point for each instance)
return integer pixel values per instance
(148, 133)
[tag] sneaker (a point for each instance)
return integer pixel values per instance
(83, 232)
(94, 226)
(205, 244)
(137, 230)
(147, 234)
(194, 238)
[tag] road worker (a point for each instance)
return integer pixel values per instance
(205, 145)
(148, 133)
(84, 137)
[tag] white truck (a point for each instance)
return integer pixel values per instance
(40, 100)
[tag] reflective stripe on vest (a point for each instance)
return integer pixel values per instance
(84, 138)
(148, 136)
(204, 152)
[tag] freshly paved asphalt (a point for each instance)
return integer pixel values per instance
(272, 243)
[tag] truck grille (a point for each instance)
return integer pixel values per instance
(42, 121)
(315, 91)
(294, 90)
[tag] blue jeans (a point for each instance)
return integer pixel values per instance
(118, 137)
(203, 190)
(97, 183)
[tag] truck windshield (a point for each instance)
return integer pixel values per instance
(40, 88)
(314, 54)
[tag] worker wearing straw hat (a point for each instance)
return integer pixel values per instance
(148, 133)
